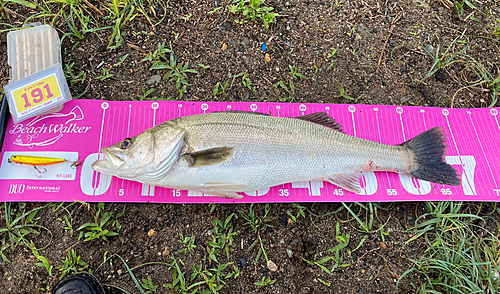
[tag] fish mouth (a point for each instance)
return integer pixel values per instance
(110, 162)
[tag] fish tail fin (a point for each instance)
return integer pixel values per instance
(429, 148)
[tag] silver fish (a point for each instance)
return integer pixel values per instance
(226, 153)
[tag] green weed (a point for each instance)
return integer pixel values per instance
(459, 5)
(99, 228)
(476, 76)
(145, 93)
(121, 60)
(300, 212)
(245, 80)
(44, 262)
(441, 61)
(220, 90)
(254, 220)
(19, 227)
(496, 30)
(177, 73)
(149, 286)
(72, 264)
(345, 96)
(222, 237)
(457, 260)
(188, 243)
(68, 224)
(294, 72)
(73, 78)
(337, 260)
(290, 90)
(159, 54)
(251, 10)
(265, 282)
(105, 75)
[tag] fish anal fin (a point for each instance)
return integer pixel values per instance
(225, 194)
(322, 118)
(212, 156)
(226, 190)
(350, 182)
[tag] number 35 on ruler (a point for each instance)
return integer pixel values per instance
(37, 93)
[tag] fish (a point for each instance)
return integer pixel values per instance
(228, 153)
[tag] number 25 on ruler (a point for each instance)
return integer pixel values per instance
(37, 95)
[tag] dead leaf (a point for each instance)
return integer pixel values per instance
(268, 57)
(272, 266)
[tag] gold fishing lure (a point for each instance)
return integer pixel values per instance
(36, 161)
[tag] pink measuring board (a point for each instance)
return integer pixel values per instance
(84, 126)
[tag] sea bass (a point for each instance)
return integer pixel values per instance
(226, 153)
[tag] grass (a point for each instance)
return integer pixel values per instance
(220, 89)
(265, 282)
(222, 237)
(444, 59)
(100, 228)
(344, 95)
(258, 223)
(294, 72)
(188, 243)
(330, 56)
(149, 286)
(252, 10)
(73, 264)
(337, 260)
(457, 259)
(105, 75)
(159, 54)
(178, 73)
(300, 212)
(44, 262)
(20, 226)
(245, 80)
(476, 77)
(290, 90)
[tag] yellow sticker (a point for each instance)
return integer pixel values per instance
(37, 95)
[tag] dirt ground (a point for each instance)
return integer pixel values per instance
(375, 52)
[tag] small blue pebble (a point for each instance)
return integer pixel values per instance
(264, 47)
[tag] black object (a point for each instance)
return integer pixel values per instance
(82, 283)
(4, 119)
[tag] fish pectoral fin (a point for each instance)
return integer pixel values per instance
(212, 156)
(350, 182)
(322, 118)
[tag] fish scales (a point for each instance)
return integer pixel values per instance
(264, 151)
(271, 150)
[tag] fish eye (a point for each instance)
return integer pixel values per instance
(125, 143)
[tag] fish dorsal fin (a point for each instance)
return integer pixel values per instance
(322, 118)
(350, 182)
(212, 156)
